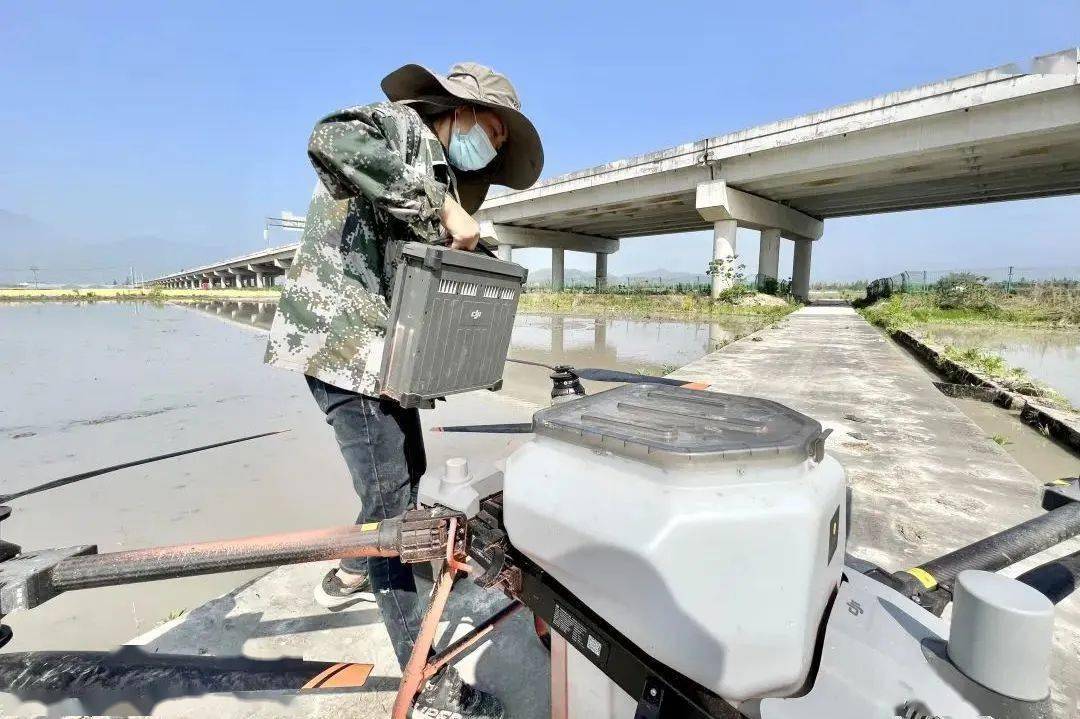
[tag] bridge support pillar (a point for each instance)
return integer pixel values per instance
(558, 269)
(260, 280)
(768, 257)
(601, 271)
(506, 253)
(723, 254)
(727, 207)
(800, 270)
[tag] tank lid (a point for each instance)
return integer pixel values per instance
(667, 422)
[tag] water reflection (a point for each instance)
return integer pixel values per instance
(612, 342)
(256, 314)
(562, 339)
(647, 346)
(1052, 356)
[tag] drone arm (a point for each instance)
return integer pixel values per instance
(185, 560)
(32, 578)
(930, 584)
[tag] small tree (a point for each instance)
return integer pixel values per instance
(962, 291)
(730, 272)
(728, 269)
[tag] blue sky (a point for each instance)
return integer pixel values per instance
(188, 121)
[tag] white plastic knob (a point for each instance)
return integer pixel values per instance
(457, 470)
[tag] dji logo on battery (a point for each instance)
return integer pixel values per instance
(476, 314)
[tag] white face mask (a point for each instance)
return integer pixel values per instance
(470, 150)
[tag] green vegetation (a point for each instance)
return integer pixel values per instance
(677, 301)
(151, 294)
(1001, 439)
(681, 306)
(968, 299)
(994, 368)
(963, 299)
(853, 286)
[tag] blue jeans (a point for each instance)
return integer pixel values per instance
(383, 447)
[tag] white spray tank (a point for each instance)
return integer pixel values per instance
(707, 528)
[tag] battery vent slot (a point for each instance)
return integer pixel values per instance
(469, 288)
(448, 287)
(507, 293)
(491, 292)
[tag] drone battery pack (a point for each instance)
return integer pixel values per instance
(451, 315)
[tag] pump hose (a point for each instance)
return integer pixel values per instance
(1002, 549)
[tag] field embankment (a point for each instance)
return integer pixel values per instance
(655, 306)
(965, 300)
(1038, 307)
(27, 294)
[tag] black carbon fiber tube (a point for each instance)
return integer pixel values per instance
(1056, 579)
(97, 681)
(185, 560)
(1009, 546)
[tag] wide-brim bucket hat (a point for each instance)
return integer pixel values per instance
(519, 161)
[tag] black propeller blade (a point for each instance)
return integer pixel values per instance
(512, 428)
(614, 375)
(530, 362)
(566, 387)
(598, 374)
(105, 470)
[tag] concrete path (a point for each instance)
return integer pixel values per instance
(925, 478)
(275, 617)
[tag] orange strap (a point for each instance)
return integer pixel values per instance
(340, 676)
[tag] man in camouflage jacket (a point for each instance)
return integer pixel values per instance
(412, 169)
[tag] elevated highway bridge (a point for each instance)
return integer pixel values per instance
(1000, 134)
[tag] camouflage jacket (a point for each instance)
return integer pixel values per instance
(383, 176)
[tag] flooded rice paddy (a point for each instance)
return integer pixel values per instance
(93, 385)
(1049, 355)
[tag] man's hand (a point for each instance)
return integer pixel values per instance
(463, 230)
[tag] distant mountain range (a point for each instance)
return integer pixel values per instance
(63, 258)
